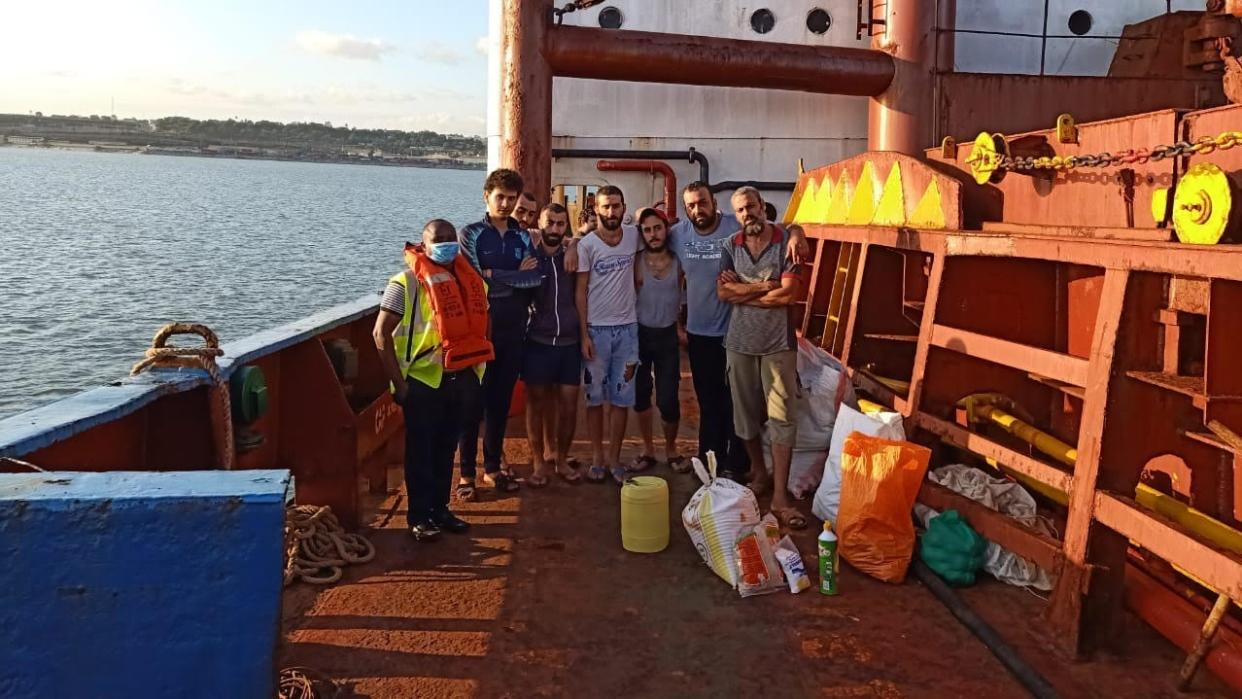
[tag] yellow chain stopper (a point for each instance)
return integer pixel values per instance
(1159, 202)
(1201, 205)
(1067, 130)
(986, 155)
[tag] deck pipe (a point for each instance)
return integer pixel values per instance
(533, 51)
(761, 185)
(526, 84)
(689, 155)
(901, 117)
(654, 167)
(654, 57)
(1026, 675)
(1178, 620)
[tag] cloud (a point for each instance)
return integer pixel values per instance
(342, 45)
(481, 45)
(436, 52)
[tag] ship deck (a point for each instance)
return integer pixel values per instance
(539, 600)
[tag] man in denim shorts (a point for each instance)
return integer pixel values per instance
(608, 320)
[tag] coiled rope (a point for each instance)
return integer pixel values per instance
(317, 547)
(161, 354)
(304, 683)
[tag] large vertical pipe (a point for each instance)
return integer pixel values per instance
(526, 94)
(901, 118)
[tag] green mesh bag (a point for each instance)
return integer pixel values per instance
(953, 549)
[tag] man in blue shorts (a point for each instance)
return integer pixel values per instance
(552, 365)
(608, 322)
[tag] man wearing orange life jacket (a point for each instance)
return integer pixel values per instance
(433, 339)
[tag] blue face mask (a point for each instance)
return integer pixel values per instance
(443, 254)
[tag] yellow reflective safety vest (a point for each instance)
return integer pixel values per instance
(416, 340)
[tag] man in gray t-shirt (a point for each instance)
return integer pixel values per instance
(762, 284)
(608, 322)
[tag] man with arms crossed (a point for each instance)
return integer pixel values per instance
(698, 241)
(608, 321)
(761, 282)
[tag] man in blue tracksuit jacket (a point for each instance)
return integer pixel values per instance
(500, 250)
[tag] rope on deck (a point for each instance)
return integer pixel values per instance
(161, 354)
(317, 547)
(304, 683)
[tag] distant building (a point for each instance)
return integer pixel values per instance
(25, 140)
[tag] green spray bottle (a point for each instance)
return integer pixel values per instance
(828, 565)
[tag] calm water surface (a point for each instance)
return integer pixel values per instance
(97, 251)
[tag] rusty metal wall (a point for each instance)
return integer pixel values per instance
(1011, 104)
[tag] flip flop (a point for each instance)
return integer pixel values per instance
(642, 463)
(536, 481)
(790, 517)
(501, 481)
(597, 474)
(679, 464)
(572, 477)
(619, 474)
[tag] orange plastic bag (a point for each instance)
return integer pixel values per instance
(880, 480)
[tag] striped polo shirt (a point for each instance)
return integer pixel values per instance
(754, 330)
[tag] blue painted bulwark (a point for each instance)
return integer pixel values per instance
(42, 427)
(128, 584)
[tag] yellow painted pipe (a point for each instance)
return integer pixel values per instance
(1202, 524)
(1028, 433)
(1206, 526)
(870, 408)
(897, 386)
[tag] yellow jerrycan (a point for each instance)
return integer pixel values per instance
(644, 514)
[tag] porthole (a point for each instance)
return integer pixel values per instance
(1080, 22)
(818, 21)
(762, 21)
(610, 18)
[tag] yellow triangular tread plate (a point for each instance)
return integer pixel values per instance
(891, 211)
(929, 213)
(838, 206)
(866, 196)
(806, 204)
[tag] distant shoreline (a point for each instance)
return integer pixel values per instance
(426, 164)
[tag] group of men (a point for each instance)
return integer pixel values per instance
(516, 295)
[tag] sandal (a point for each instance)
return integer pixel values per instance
(465, 492)
(790, 517)
(642, 463)
(537, 480)
(597, 474)
(679, 464)
(760, 488)
(619, 474)
(501, 481)
(572, 476)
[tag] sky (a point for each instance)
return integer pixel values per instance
(400, 64)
